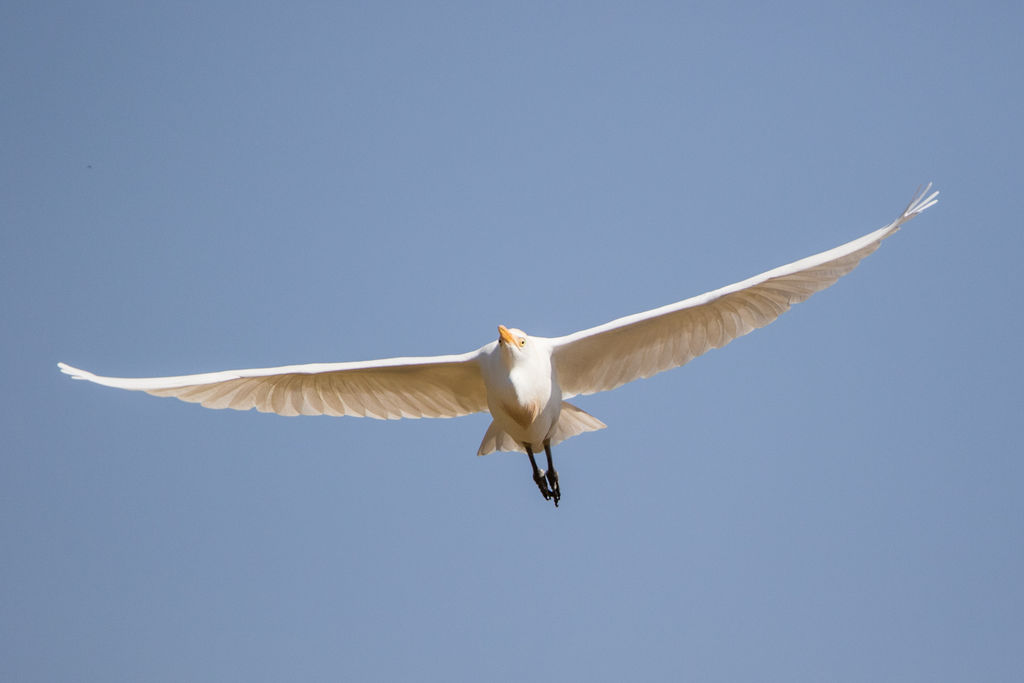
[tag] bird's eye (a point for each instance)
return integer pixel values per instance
(522, 342)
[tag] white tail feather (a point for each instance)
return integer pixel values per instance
(571, 421)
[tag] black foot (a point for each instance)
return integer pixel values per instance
(556, 492)
(538, 478)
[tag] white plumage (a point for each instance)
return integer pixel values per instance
(523, 380)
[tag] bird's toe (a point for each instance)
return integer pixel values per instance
(542, 484)
(556, 492)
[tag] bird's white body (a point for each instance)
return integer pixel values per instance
(522, 380)
(523, 394)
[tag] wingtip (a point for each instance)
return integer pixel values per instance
(74, 373)
(921, 201)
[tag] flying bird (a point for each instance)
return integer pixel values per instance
(522, 380)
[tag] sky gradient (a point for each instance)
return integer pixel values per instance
(207, 186)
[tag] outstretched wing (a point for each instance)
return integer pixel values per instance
(436, 386)
(641, 345)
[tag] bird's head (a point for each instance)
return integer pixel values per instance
(511, 338)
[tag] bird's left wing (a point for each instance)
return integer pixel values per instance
(435, 386)
(641, 345)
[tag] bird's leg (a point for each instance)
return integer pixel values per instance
(538, 474)
(556, 492)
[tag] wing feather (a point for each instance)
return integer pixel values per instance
(435, 386)
(641, 345)
(330, 396)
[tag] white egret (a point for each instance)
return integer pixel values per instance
(523, 380)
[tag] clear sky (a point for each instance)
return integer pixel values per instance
(189, 187)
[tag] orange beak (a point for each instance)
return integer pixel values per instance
(506, 336)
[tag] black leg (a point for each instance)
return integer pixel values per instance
(556, 492)
(538, 474)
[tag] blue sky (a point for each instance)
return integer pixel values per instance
(205, 186)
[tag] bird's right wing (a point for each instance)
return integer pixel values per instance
(641, 345)
(436, 386)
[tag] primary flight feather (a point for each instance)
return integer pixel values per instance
(523, 380)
